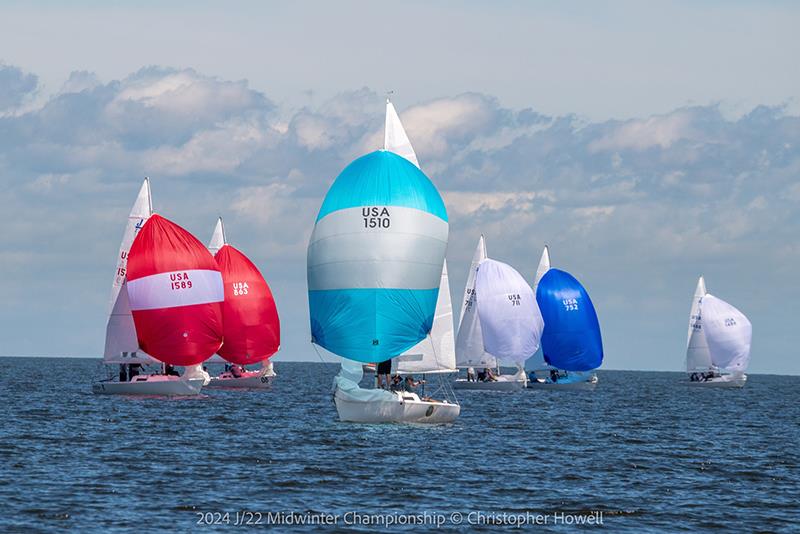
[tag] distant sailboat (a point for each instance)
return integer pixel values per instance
(572, 346)
(375, 260)
(250, 317)
(718, 342)
(472, 349)
(166, 308)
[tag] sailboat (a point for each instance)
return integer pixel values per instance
(251, 328)
(471, 352)
(375, 262)
(572, 346)
(163, 306)
(718, 342)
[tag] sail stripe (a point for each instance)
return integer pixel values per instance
(174, 289)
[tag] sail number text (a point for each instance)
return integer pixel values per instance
(240, 288)
(376, 217)
(179, 281)
(570, 304)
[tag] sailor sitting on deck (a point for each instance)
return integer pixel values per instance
(236, 371)
(410, 384)
(470, 374)
(490, 375)
(397, 383)
(133, 370)
(170, 370)
(553, 376)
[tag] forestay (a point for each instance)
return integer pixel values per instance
(510, 320)
(121, 344)
(571, 339)
(728, 332)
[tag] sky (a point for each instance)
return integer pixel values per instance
(646, 144)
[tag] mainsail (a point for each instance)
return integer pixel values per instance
(250, 318)
(537, 362)
(510, 320)
(728, 332)
(121, 343)
(470, 350)
(176, 294)
(698, 358)
(571, 339)
(435, 353)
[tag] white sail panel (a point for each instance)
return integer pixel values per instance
(698, 358)
(469, 341)
(544, 266)
(728, 332)
(217, 238)
(395, 138)
(121, 343)
(511, 322)
(437, 352)
(537, 362)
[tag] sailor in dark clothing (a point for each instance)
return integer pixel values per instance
(553, 376)
(133, 370)
(123, 373)
(170, 370)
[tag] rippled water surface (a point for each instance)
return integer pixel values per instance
(647, 451)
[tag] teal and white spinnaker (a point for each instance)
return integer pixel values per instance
(375, 259)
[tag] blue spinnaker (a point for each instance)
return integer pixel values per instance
(571, 339)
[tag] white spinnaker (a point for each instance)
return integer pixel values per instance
(469, 340)
(537, 362)
(510, 319)
(394, 136)
(122, 345)
(698, 357)
(217, 238)
(728, 332)
(437, 352)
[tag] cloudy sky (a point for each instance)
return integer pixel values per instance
(646, 147)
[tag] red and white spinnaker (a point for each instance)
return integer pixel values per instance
(252, 328)
(176, 294)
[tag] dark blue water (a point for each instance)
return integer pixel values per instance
(650, 453)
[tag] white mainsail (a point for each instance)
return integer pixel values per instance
(394, 136)
(217, 241)
(728, 332)
(698, 357)
(217, 238)
(537, 362)
(435, 353)
(122, 345)
(470, 351)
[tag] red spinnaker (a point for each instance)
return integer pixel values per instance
(176, 294)
(251, 324)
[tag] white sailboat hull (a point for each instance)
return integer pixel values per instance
(583, 385)
(503, 383)
(724, 381)
(155, 385)
(248, 380)
(404, 408)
